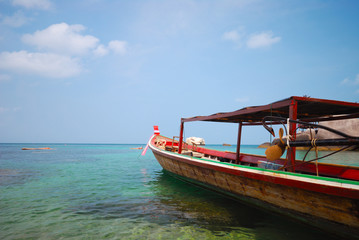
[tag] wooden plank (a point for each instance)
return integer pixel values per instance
(288, 196)
(239, 142)
(292, 132)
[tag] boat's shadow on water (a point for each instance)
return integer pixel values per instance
(220, 214)
(195, 205)
(170, 201)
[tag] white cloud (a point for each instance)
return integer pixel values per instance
(347, 81)
(119, 47)
(16, 20)
(35, 4)
(62, 38)
(43, 64)
(100, 51)
(264, 39)
(351, 83)
(62, 47)
(231, 36)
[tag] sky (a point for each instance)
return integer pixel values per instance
(103, 71)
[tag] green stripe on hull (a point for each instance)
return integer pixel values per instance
(274, 171)
(322, 224)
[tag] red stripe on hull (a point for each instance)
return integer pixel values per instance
(326, 202)
(330, 190)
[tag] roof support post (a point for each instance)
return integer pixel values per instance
(239, 142)
(292, 132)
(181, 138)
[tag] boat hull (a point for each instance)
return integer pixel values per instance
(324, 210)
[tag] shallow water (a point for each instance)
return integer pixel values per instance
(94, 191)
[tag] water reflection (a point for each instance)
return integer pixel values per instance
(173, 204)
(222, 215)
(200, 206)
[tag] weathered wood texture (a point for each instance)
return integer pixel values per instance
(333, 208)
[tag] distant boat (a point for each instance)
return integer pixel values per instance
(44, 148)
(226, 144)
(137, 148)
(325, 195)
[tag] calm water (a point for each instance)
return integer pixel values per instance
(79, 191)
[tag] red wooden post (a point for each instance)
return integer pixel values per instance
(181, 138)
(238, 142)
(292, 131)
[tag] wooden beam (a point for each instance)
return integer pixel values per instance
(292, 131)
(181, 138)
(238, 154)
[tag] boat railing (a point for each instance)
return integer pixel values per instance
(307, 167)
(173, 140)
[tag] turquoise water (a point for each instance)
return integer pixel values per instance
(350, 158)
(94, 191)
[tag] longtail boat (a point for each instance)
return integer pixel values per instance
(321, 194)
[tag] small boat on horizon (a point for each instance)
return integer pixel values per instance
(43, 148)
(136, 148)
(321, 194)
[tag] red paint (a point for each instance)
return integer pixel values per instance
(352, 174)
(310, 186)
(328, 170)
(292, 132)
(181, 138)
(155, 130)
(301, 108)
(238, 150)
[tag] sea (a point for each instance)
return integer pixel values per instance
(110, 191)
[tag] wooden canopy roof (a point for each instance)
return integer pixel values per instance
(308, 109)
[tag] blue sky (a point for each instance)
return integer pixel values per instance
(96, 71)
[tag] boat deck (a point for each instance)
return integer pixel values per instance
(310, 168)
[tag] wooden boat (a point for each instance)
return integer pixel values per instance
(44, 148)
(324, 195)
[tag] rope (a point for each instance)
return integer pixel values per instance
(323, 156)
(316, 160)
(310, 148)
(289, 137)
(313, 142)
